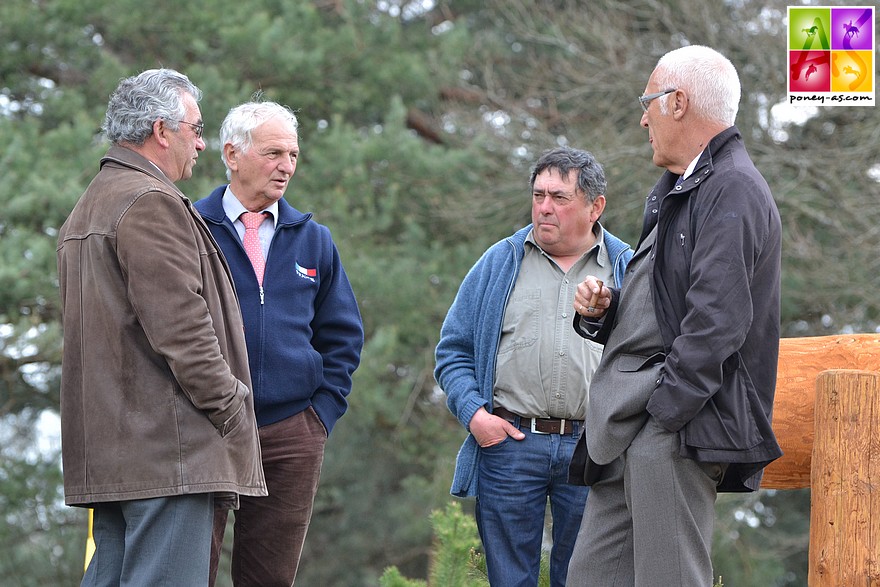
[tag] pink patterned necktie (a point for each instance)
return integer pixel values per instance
(252, 246)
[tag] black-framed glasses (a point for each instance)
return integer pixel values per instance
(199, 128)
(646, 99)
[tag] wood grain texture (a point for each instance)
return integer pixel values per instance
(845, 497)
(801, 360)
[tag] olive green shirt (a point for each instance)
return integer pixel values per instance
(543, 367)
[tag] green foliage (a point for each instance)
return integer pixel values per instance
(762, 538)
(456, 561)
(418, 128)
(43, 544)
(35, 198)
(393, 578)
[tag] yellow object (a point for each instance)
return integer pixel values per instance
(90, 540)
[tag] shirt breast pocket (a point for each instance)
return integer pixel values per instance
(521, 321)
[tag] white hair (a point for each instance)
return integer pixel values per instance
(708, 77)
(237, 129)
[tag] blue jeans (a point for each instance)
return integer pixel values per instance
(516, 478)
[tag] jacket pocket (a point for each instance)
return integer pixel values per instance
(233, 422)
(620, 392)
(633, 363)
(727, 421)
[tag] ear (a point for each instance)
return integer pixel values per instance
(161, 131)
(680, 104)
(597, 208)
(230, 153)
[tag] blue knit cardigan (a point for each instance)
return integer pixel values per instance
(465, 355)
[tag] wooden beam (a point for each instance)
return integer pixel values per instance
(800, 362)
(845, 497)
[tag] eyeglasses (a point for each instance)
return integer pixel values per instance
(646, 99)
(199, 128)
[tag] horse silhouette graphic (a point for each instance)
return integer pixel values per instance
(850, 30)
(849, 70)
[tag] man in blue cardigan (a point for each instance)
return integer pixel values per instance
(303, 330)
(516, 375)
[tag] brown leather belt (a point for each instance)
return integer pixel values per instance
(538, 425)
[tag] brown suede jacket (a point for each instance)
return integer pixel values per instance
(155, 387)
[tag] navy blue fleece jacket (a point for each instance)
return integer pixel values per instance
(304, 334)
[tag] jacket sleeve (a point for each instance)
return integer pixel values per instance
(160, 256)
(728, 237)
(598, 330)
(456, 369)
(338, 335)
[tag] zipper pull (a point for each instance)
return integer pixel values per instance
(681, 237)
(262, 297)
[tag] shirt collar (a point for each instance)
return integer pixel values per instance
(602, 257)
(234, 208)
(690, 168)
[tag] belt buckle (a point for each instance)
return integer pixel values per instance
(561, 427)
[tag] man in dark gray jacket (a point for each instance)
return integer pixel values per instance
(680, 405)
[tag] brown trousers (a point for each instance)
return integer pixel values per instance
(269, 532)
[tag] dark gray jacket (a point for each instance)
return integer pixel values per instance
(716, 290)
(717, 295)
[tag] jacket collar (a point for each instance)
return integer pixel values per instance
(665, 186)
(211, 209)
(128, 158)
(704, 166)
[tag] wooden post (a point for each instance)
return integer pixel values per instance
(800, 362)
(845, 498)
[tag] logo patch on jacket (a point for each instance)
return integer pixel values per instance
(306, 273)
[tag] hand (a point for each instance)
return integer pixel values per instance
(592, 298)
(490, 430)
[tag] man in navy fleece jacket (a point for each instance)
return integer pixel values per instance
(303, 330)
